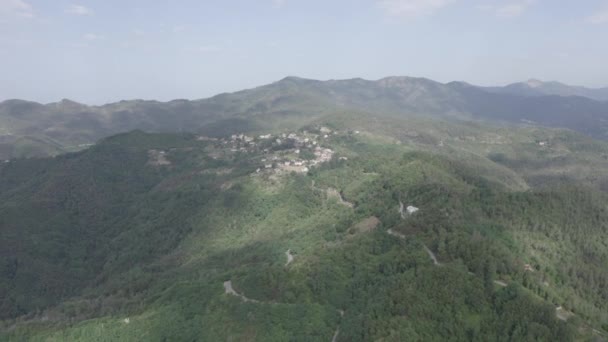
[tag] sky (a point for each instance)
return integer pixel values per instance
(100, 51)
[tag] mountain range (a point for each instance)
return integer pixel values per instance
(534, 87)
(29, 129)
(394, 210)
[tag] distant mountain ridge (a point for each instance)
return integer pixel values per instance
(29, 129)
(534, 87)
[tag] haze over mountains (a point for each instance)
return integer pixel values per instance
(29, 129)
(535, 87)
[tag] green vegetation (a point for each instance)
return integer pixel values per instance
(117, 243)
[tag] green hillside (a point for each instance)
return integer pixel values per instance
(207, 237)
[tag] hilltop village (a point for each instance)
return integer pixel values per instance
(284, 152)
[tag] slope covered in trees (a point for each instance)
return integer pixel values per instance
(136, 237)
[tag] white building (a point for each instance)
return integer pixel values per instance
(411, 209)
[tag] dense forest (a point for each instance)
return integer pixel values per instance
(183, 237)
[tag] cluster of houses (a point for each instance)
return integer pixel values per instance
(290, 159)
(285, 152)
(322, 155)
(158, 158)
(241, 142)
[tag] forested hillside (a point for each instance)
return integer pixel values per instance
(346, 227)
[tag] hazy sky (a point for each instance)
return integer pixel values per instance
(97, 51)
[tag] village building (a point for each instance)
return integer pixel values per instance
(411, 210)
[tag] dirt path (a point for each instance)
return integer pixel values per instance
(331, 192)
(401, 210)
(228, 289)
(395, 234)
(289, 257)
(560, 312)
(428, 251)
(335, 337)
(431, 255)
(401, 236)
(563, 314)
(500, 283)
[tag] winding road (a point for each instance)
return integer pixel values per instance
(500, 283)
(428, 250)
(395, 234)
(431, 255)
(335, 338)
(230, 290)
(331, 192)
(289, 257)
(401, 210)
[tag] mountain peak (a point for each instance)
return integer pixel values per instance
(401, 81)
(294, 79)
(534, 83)
(67, 102)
